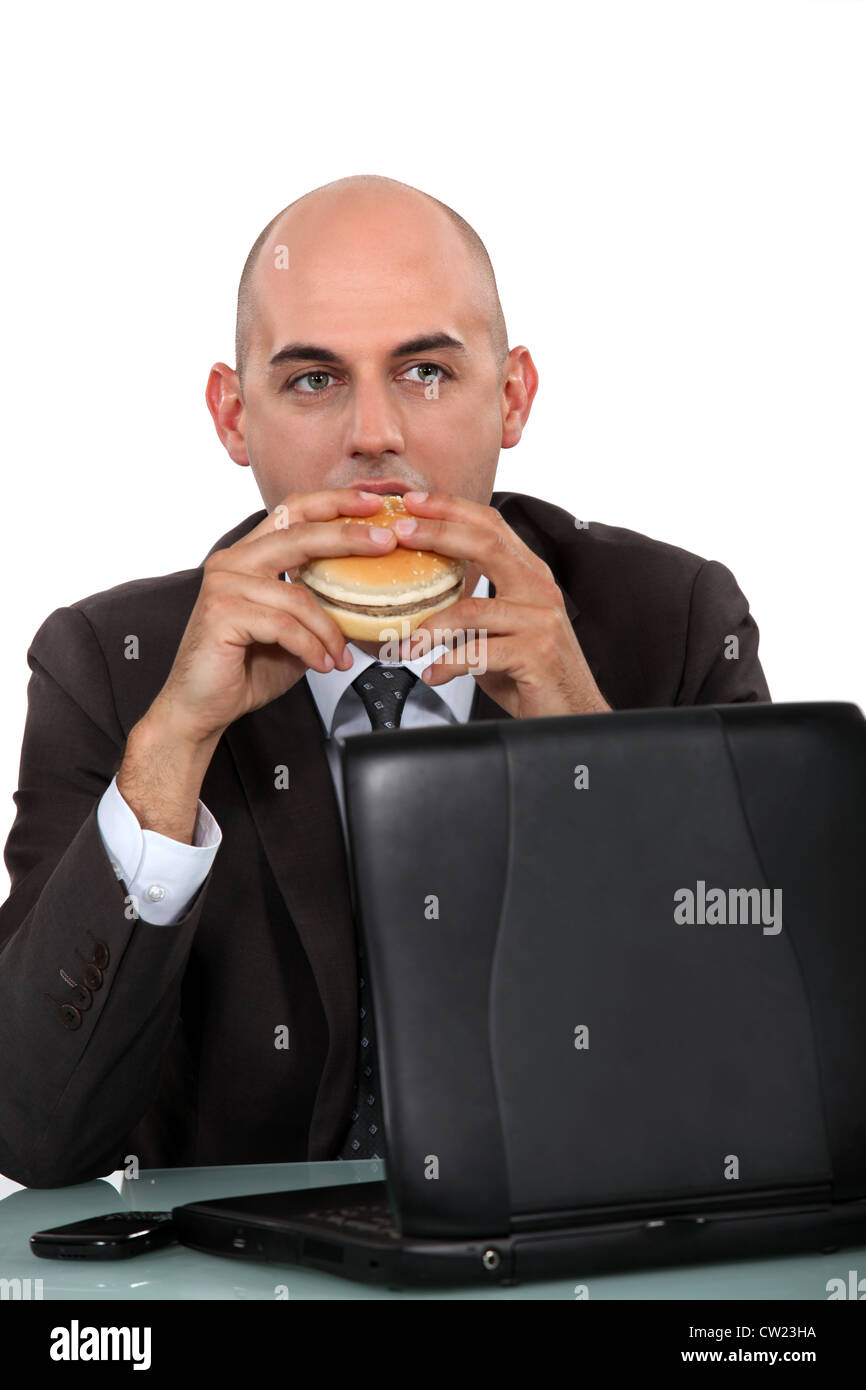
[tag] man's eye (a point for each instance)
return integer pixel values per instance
(308, 376)
(425, 367)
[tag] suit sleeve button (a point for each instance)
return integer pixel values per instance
(81, 997)
(92, 976)
(69, 1016)
(100, 954)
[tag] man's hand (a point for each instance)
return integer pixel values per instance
(251, 636)
(249, 639)
(524, 655)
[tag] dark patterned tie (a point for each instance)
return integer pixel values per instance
(383, 690)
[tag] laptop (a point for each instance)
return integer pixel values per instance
(618, 965)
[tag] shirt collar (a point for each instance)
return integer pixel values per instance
(327, 687)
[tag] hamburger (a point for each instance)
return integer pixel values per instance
(371, 596)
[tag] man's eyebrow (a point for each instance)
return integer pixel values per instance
(311, 352)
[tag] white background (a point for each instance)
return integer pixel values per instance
(672, 195)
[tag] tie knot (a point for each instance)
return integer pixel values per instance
(383, 690)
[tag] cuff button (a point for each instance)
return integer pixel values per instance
(92, 976)
(82, 998)
(100, 952)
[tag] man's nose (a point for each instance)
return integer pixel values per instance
(375, 424)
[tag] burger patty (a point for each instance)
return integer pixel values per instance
(385, 610)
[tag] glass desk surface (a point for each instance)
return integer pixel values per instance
(177, 1273)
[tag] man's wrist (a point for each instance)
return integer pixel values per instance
(160, 729)
(590, 704)
(161, 775)
(595, 703)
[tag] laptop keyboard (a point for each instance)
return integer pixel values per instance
(372, 1217)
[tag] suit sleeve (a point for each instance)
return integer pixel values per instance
(721, 662)
(89, 993)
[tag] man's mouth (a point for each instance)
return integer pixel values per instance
(382, 486)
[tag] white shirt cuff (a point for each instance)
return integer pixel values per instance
(161, 875)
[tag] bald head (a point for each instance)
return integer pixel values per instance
(380, 192)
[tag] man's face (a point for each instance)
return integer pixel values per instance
(364, 279)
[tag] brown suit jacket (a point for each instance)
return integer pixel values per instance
(163, 1046)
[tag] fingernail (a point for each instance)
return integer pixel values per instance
(416, 496)
(405, 526)
(328, 661)
(380, 533)
(371, 494)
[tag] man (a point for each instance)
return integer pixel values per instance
(178, 968)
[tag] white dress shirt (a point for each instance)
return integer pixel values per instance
(163, 875)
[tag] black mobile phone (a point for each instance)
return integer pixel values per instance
(116, 1236)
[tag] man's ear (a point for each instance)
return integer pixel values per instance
(225, 403)
(520, 383)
